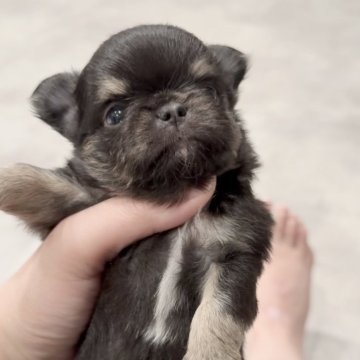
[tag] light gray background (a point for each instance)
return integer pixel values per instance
(300, 101)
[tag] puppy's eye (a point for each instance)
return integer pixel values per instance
(115, 115)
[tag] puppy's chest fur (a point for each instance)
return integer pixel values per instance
(152, 290)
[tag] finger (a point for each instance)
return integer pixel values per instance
(90, 238)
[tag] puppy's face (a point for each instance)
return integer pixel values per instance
(152, 113)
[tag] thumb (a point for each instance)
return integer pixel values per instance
(85, 241)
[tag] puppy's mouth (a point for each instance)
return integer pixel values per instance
(182, 150)
(188, 157)
(169, 148)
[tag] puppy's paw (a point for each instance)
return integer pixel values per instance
(41, 198)
(15, 184)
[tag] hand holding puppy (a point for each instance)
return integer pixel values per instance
(46, 305)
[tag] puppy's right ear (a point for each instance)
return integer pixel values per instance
(54, 102)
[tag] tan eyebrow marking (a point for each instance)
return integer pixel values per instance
(202, 67)
(109, 86)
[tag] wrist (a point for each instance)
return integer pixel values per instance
(17, 342)
(8, 350)
(14, 345)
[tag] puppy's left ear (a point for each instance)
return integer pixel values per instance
(54, 102)
(232, 62)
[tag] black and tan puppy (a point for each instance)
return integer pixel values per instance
(150, 116)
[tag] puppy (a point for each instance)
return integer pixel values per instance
(150, 116)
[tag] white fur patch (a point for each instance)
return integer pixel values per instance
(167, 294)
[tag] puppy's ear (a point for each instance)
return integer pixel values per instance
(54, 102)
(232, 62)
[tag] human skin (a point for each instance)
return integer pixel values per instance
(47, 304)
(283, 292)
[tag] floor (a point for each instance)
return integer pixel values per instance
(300, 100)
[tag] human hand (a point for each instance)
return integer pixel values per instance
(47, 304)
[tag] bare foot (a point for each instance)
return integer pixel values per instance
(283, 293)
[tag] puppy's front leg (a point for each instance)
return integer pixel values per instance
(214, 333)
(39, 197)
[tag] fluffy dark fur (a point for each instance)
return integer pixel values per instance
(151, 115)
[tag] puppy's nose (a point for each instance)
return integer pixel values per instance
(173, 113)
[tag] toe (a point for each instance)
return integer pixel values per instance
(291, 230)
(302, 234)
(302, 241)
(280, 214)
